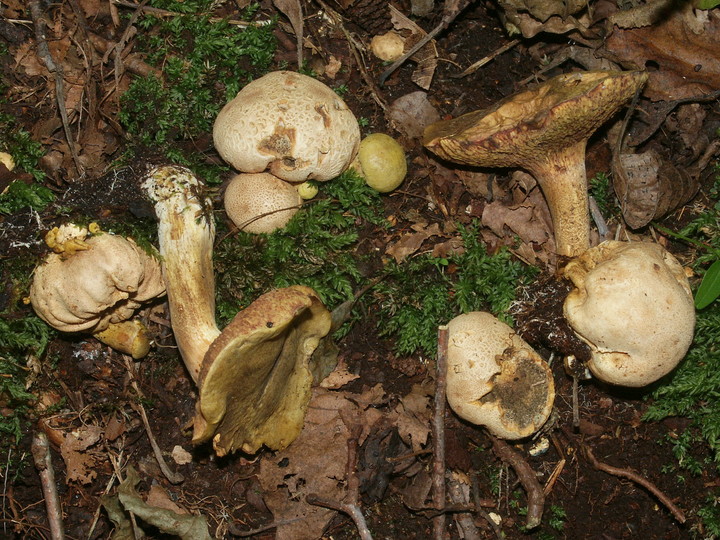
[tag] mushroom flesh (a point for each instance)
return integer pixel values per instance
(290, 124)
(93, 284)
(543, 130)
(633, 306)
(254, 377)
(260, 202)
(495, 379)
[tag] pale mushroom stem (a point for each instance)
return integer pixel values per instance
(185, 238)
(562, 178)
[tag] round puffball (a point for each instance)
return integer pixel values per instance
(260, 203)
(381, 161)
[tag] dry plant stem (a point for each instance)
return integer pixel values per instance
(438, 433)
(173, 478)
(350, 509)
(575, 404)
(489, 58)
(481, 511)
(56, 69)
(232, 529)
(41, 456)
(527, 477)
(631, 475)
(598, 218)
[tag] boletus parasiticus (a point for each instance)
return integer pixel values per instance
(495, 379)
(94, 284)
(253, 377)
(545, 131)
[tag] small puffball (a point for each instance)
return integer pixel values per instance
(307, 191)
(381, 162)
(260, 202)
(388, 47)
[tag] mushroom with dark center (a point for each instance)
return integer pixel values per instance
(544, 131)
(254, 377)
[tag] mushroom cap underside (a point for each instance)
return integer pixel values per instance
(522, 128)
(633, 306)
(495, 379)
(290, 124)
(255, 380)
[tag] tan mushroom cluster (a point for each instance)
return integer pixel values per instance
(254, 376)
(287, 125)
(495, 379)
(94, 284)
(632, 302)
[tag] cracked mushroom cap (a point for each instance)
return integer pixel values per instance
(94, 287)
(290, 124)
(495, 379)
(633, 306)
(255, 379)
(260, 203)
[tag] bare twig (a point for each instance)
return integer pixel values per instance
(233, 530)
(527, 477)
(350, 509)
(489, 58)
(635, 477)
(41, 456)
(56, 69)
(438, 434)
(173, 477)
(452, 9)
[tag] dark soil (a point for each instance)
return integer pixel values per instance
(96, 389)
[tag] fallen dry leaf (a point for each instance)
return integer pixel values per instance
(411, 243)
(683, 48)
(411, 113)
(80, 462)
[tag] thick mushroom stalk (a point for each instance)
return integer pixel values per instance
(544, 131)
(495, 379)
(633, 306)
(253, 377)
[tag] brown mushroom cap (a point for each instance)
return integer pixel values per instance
(495, 379)
(255, 380)
(633, 306)
(290, 124)
(94, 287)
(260, 203)
(544, 131)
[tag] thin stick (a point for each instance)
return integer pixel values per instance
(173, 477)
(57, 70)
(438, 433)
(632, 475)
(527, 477)
(481, 511)
(41, 456)
(489, 58)
(350, 509)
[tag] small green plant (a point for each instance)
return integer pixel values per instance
(19, 195)
(709, 513)
(424, 292)
(204, 63)
(601, 190)
(557, 517)
(316, 248)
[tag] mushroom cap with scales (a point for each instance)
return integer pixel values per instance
(543, 130)
(289, 124)
(495, 379)
(260, 202)
(633, 306)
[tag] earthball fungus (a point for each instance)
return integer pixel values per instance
(633, 306)
(94, 284)
(388, 47)
(543, 130)
(290, 124)
(495, 379)
(254, 377)
(260, 202)
(381, 162)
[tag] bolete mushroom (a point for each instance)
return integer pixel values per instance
(94, 285)
(290, 124)
(495, 379)
(260, 202)
(633, 306)
(381, 162)
(543, 130)
(253, 377)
